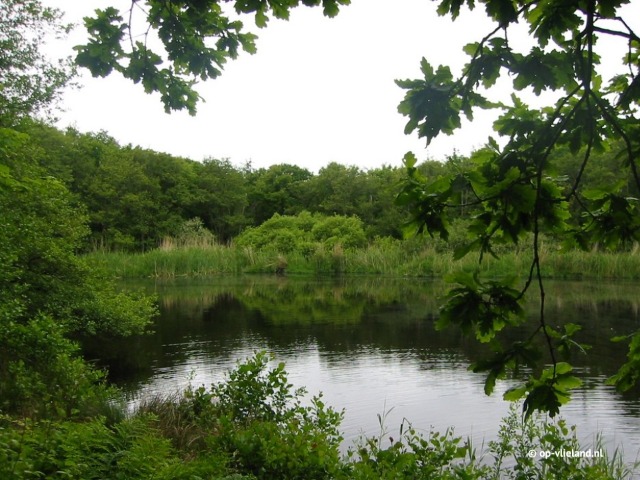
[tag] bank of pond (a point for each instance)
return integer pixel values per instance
(385, 256)
(254, 425)
(370, 346)
(200, 399)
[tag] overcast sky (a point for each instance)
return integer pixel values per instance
(318, 90)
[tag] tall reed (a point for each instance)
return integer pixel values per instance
(384, 257)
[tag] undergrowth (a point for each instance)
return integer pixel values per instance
(254, 425)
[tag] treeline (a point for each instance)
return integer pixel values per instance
(135, 198)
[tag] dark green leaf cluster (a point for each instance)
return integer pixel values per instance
(611, 220)
(427, 200)
(548, 392)
(484, 308)
(195, 38)
(629, 374)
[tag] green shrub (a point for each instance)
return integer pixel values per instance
(41, 374)
(304, 233)
(517, 452)
(268, 432)
(437, 456)
(253, 423)
(514, 455)
(48, 294)
(87, 450)
(339, 230)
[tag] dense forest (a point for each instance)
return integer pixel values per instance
(135, 198)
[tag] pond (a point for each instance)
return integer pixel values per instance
(369, 344)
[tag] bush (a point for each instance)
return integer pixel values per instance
(339, 230)
(438, 456)
(268, 432)
(48, 293)
(90, 450)
(445, 456)
(41, 374)
(518, 439)
(304, 233)
(191, 233)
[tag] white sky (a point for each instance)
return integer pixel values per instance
(318, 90)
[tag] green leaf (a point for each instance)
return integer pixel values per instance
(409, 160)
(503, 11)
(463, 250)
(568, 382)
(452, 7)
(261, 19)
(514, 394)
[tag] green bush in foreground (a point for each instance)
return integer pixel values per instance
(255, 426)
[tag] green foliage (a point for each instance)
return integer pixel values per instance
(629, 373)
(348, 191)
(266, 429)
(521, 189)
(253, 425)
(613, 219)
(192, 233)
(337, 230)
(520, 452)
(256, 423)
(40, 235)
(91, 450)
(304, 233)
(136, 198)
(197, 39)
(485, 308)
(278, 189)
(219, 198)
(47, 293)
(548, 392)
(439, 455)
(283, 233)
(254, 393)
(41, 374)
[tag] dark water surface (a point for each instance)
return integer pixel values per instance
(370, 346)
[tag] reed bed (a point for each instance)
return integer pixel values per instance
(382, 258)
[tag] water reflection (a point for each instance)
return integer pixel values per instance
(369, 344)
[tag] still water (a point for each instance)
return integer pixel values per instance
(370, 346)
